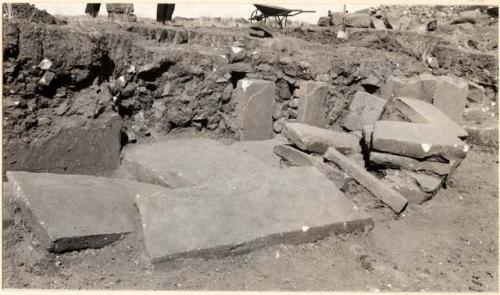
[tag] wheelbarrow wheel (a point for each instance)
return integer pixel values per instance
(254, 16)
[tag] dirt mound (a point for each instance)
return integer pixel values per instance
(30, 13)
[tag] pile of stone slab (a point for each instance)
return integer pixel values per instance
(191, 197)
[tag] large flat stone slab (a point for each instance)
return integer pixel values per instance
(315, 139)
(365, 109)
(187, 162)
(294, 205)
(254, 108)
(416, 140)
(312, 98)
(419, 111)
(71, 212)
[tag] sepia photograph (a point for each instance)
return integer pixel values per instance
(250, 147)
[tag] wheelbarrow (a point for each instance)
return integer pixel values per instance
(280, 14)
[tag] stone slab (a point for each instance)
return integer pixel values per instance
(427, 183)
(375, 186)
(254, 108)
(416, 140)
(476, 92)
(366, 132)
(451, 96)
(478, 112)
(406, 186)
(312, 98)
(294, 205)
(399, 162)
(485, 134)
(365, 109)
(71, 212)
(7, 210)
(187, 162)
(315, 139)
(419, 111)
(301, 159)
(400, 87)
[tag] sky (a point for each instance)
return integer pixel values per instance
(146, 10)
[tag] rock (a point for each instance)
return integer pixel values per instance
(237, 54)
(278, 125)
(77, 146)
(129, 90)
(428, 87)
(254, 108)
(476, 92)
(485, 134)
(405, 185)
(377, 23)
(45, 64)
(241, 67)
(203, 160)
(47, 79)
(451, 96)
(427, 183)
(294, 103)
(7, 208)
(365, 109)
(262, 28)
(416, 140)
(315, 139)
(257, 33)
(385, 160)
(71, 212)
(478, 112)
(462, 20)
(358, 20)
(312, 98)
(470, 13)
(262, 150)
(419, 111)
(432, 62)
(366, 133)
(399, 87)
(492, 11)
(282, 206)
(295, 157)
(371, 84)
(432, 26)
(379, 190)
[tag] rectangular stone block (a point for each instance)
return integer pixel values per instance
(312, 98)
(451, 96)
(71, 212)
(282, 206)
(400, 87)
(365, 109)
(187, 162)
(417, 140)
(254, 108)
(400, 162)
(314, 139)
(485, 134)
(419, 111)
(375, 186)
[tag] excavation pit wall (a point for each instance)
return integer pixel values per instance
(152, 80)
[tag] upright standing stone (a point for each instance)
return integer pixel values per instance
(312, 110)
(365, 109)
(451, 96)
(396, 87)
(254, 109)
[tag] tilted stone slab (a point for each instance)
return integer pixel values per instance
(262, 150)
(294, 205)
(365, 109)
(419, 111)
(187, 162)
(254, 108)
(376, 187)
(451, 96)
(395, 161)
(312, 98)
(416, 140)
(71, 212)
(406, 186)
(315, 139)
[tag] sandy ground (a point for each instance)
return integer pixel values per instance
(449, 243)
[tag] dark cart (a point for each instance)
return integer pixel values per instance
(280, 14)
